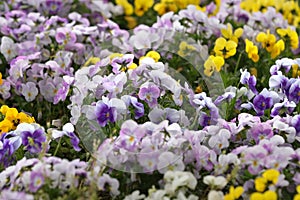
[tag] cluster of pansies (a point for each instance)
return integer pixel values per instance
(199, 100)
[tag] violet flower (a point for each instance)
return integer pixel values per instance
(33, 138)
(262, 103)
(149, 93)
(105, 113)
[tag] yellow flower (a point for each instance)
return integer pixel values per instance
(213, 63)
(267, 40)
(297, 196)
(271, 175)
(142, 6)
(185, 48)
(252, 50)
(25, 118)
(225, 48)
(153, 54)
(253, 71)
(230, 35)
(234, 193)
(165, 6)
(1, 81)
(4, 109)
(296, 71)
(128, 8)
(91, 61)
(291, 35)
(277, 48)
(5, 126)
(260, 184)
(268, 195)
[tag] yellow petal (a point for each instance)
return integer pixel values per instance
(261, 37)
(238, 32)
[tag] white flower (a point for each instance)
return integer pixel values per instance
(218, 182)
(135, 196)
(176, 179)
(215, 195)
(8, 48)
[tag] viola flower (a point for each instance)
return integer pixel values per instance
(230, 35)
(277, 48)
(262, 103)
(105, 113)
(8, 48)
(225, 48)
(165, 6)
(149, 93)
(294, 91)
(212, 64)
(36, 181)
(32, 137)
(127, 7)
(106, 182)
(139, 107)
(270, 195)
(267, 40)
(289, 35)
(68, 130)
(29, 91)
(234, 193)
(141, 6)
(252, 51)
(65, 36)
(284, 107)
(260, 132)
(123, 63)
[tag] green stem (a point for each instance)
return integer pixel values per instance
(57, 147)
(238, 62)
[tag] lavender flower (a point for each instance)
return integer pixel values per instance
(37, 180)
(149, 93)
(260, 131)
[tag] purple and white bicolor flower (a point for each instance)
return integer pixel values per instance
(36, 182)
(294, 91)
(139, 107)
(32, 136)
(68, 130)
(284, 107)
(249, 80)
(149, 92)
(265, 100)
(106, 110)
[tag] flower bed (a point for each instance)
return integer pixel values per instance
(149, 100)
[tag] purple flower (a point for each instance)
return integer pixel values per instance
(7, 194)
(296, 123)
(260, 132)
(33, 138)
(36, 182)
(139, 107)
(105, 113)
(106, 182)
(149, 93)
(294, 91)
(285, 107)
(68, 130)
(65, 36)
(248, 80)
(261, 103)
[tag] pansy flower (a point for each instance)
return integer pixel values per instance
(225, 48)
